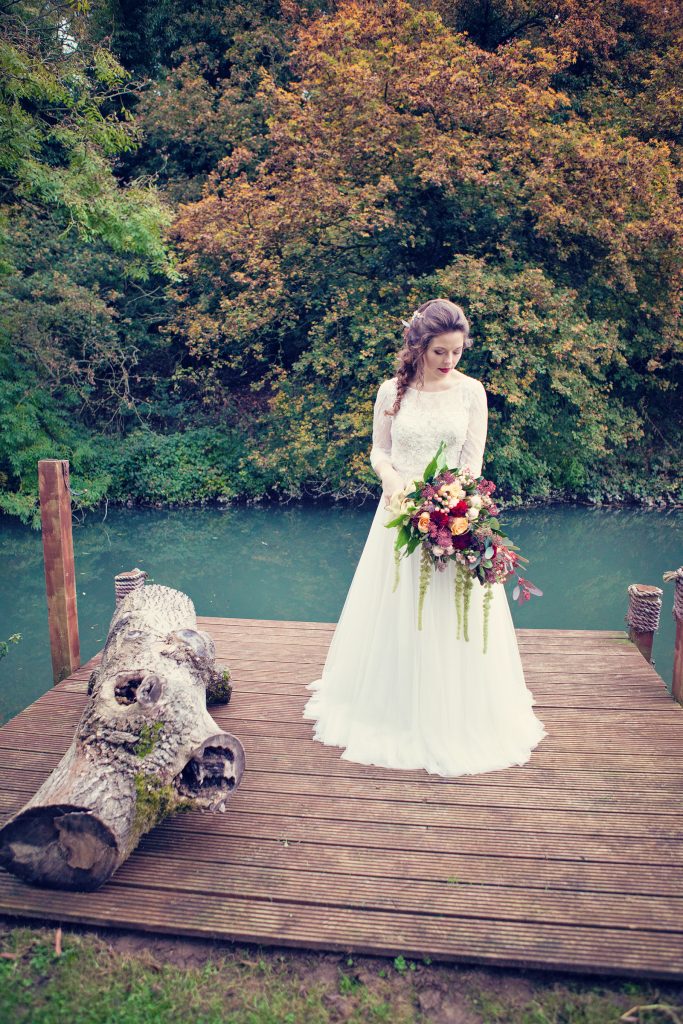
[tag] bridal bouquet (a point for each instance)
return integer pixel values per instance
(451, 516)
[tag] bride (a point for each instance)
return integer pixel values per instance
(389, 694)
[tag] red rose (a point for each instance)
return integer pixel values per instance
(462, 542)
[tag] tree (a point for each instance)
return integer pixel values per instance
(70, 236)
(401, 152)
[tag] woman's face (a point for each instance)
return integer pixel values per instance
(442, 355)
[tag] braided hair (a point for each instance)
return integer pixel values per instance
(434, 317)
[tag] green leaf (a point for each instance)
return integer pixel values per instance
(403, 537)
(437, 463)
(412, 544)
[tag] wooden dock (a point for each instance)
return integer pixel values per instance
(573, 861)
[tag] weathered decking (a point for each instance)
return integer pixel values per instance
(572, 861)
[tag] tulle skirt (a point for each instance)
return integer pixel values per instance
(398, 697)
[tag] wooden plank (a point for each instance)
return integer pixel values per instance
(533, 639)
(480, 817)
(622, 724)
(442, 820)
(561, 660)
(638, 701)
(26, 777)
(551, 844)
(267, 679)
(302, 654)
(545, 695)
(619, 785)
(258, 738)
(613, 910)
(628, 952)
(229, 635)
(499, 843)
(257, 717)
(452, 866)
(572, 747)
(212, 622)
(631, 729)
(298, 626)
(562, 668)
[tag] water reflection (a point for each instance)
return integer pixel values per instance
(297, 562)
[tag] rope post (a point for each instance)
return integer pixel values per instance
(126, 582)
(60, 576)
(644, 604)
(677, 680)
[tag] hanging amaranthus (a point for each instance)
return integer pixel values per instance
(425, 577)
(488, 596)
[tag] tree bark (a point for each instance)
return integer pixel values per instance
(145, 748)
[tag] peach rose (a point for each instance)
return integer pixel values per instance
(423, 522)
(459, 525)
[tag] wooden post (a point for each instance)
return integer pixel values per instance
(644, 604)
(60, 576)
(677, 681)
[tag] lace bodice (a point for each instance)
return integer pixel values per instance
(458, 416)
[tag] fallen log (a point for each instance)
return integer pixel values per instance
(145, 747)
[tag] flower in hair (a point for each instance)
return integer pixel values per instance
(415, 316)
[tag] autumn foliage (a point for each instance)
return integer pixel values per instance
(334, 165)
(406, 160)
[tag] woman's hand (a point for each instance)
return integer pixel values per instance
(391, 482)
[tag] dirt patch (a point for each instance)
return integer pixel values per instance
(418, 991)
(180, 952)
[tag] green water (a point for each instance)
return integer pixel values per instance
(296, 562)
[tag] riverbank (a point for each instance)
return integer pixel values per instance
(87, 976)
(158, 485)
(363, 500)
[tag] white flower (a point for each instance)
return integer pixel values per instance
(400, 504)
(452, 493)
(475, 500)
(395, 504)
(472, 513)
(437, 551)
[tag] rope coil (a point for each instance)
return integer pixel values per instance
(644, 606)
(669, 577)
(126, 582)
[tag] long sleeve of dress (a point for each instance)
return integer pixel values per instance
(472, 454)
(381, 427)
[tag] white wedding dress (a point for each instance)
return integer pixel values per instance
(397, 697)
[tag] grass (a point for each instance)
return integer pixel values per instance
(88, 979)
